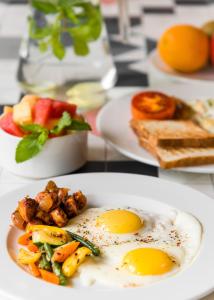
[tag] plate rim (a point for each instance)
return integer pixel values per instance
(175, 75)
(151, 161)
(136, 185)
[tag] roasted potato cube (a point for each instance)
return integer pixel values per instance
(47, 201)
(80, 200)
(70, 207)
(36, 221)
(44, 217)
(62, 194)
(59, 217)
(17, 220)
(27, 208)
(51, 187)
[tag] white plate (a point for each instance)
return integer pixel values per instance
(204, 75)
(106, 189)
(113, 124)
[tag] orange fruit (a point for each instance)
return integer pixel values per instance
(184, 48)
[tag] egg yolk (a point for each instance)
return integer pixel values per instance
(147, 261)
(119, 221)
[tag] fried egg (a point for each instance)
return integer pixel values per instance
(137, 247)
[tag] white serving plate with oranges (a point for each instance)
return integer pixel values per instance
(205, 75)
(186, 52)
(111, 189)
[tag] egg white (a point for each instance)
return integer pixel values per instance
(179, 235)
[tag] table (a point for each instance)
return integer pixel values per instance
(133, 75)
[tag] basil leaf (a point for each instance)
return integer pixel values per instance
(67, 123)
(30, 146)
(79, 125)
(64, 122)
(42, 138)
(45, 6)
(34, 128)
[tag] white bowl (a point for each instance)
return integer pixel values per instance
(60, 155)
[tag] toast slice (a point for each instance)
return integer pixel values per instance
(171, 133)
(174, 157)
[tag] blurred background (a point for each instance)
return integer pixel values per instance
(133, 28)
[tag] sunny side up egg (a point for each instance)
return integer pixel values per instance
(137, 247)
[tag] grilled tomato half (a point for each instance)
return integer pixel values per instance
(152, 106)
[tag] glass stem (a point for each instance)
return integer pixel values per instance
(124, 20)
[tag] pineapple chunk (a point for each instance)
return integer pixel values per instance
(22, 113)
(7, 109)
(31, 99)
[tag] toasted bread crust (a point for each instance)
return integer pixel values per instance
(201, 159)
(150, 148)
(186, 162)
(190, 142)
(172, 133)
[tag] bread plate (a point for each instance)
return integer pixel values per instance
(113, 124)
(122, 189)
(205, 75)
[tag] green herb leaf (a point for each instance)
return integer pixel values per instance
(45, 6)
(57, 46)
(79, 125)
(30, 146)
(80, 47)
(68, 9)
(64, 122)
(43, 46)
(36, 32)
(94, 20)
(81, 19)
(67, 123)
(42, 138)
(88, 30)
(34, 128)
(69, 2)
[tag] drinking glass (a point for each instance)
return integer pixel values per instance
(44, 74)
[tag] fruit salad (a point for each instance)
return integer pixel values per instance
(34, 120)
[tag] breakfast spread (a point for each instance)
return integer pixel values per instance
(183, 139)
(35, 120)
(108, 246)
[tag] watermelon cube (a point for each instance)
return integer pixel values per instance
(8, 125)
(42, 111)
